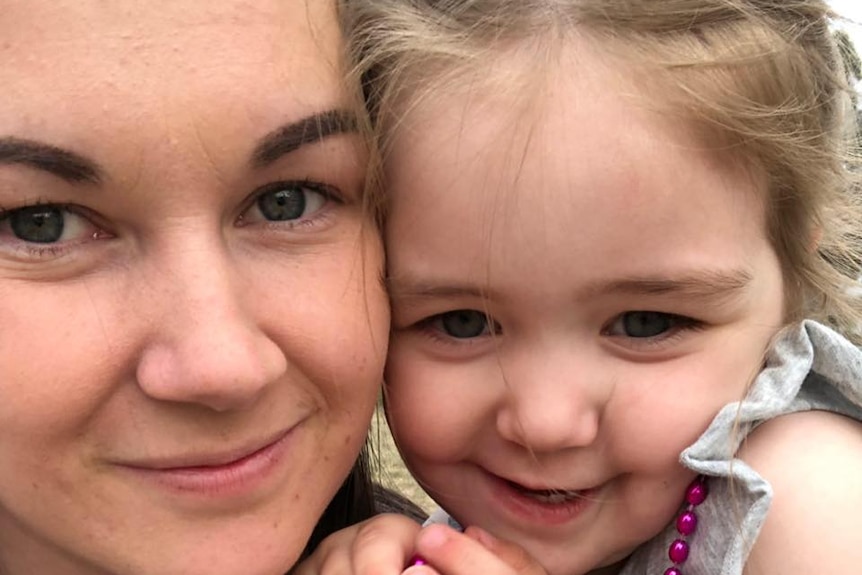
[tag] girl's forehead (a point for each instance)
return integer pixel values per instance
(525, 86)
(499, 106)
(580, 156)
(533, 100)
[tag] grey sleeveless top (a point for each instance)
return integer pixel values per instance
(810, 367)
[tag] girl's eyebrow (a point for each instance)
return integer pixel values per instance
(63, 163)
(409, 289)
(308, 130)
(692, 284)
(711, 283)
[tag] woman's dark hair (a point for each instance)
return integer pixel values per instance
(354, 502)
(358, 499)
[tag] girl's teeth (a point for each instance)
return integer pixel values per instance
(548, 496)
(551, 497)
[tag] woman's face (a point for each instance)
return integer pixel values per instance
(192, 328)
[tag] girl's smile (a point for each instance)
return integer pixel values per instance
(542, 507)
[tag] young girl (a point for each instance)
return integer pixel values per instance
(609, 222)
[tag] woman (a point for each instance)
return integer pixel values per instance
(193, 328)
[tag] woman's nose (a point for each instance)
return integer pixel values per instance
(206, 344)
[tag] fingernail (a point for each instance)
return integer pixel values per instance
(481, 535)
(433, 536)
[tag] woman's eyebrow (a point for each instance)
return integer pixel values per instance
(60, 162)
(292, 136)
(75, 168)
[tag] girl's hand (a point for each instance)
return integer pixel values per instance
(448, 552)
(381, 545)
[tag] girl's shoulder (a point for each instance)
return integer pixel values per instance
(813, 461)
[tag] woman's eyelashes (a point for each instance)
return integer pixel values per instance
(48, 229)
(293, 203)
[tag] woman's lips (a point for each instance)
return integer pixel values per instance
(221, 474)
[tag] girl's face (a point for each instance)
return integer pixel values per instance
(192, 324)
(578, 285)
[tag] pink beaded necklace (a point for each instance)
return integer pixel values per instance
(686, 525)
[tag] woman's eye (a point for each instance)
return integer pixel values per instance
(643, 324)
(45, 224)
(462, 323)
(286, 202)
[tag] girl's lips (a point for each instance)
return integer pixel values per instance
(540, 506)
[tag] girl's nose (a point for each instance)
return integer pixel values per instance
(552, 401)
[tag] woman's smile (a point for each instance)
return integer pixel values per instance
(224, 474)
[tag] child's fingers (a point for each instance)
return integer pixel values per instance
(332, 556)
(378, 546)
(513, 555)
(423, 570)
(383, 545)
(454, 553)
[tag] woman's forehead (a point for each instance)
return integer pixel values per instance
(187, 34)
(145, 75)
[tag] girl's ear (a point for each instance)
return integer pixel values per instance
(814, 240)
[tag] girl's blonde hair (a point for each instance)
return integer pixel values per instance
(765, 77)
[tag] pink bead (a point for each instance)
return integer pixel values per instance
(696, 492)
(416, 560)
(686, 523)
(678, 551)
(672, 571)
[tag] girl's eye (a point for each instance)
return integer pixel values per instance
(462, 323)
(45, 224)
(644, 324)
(286, 202)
